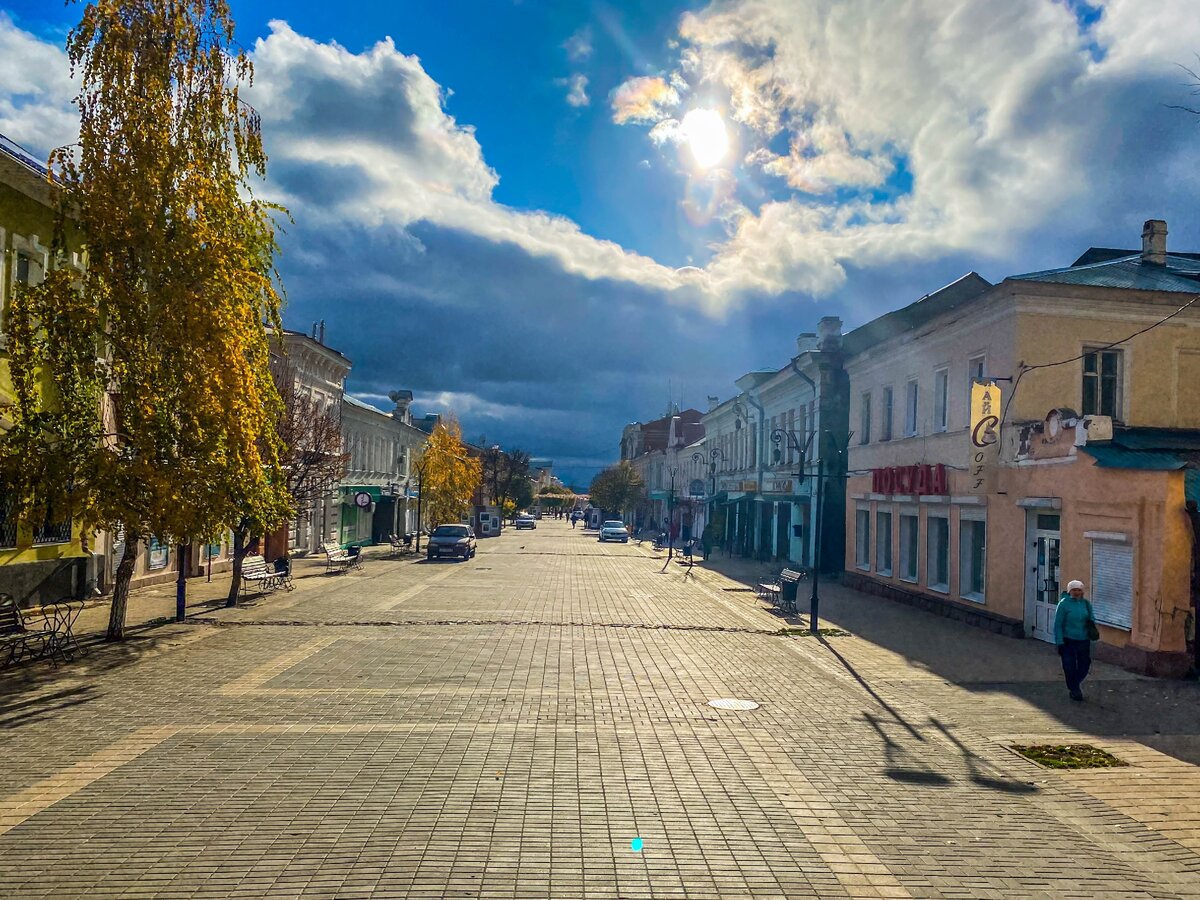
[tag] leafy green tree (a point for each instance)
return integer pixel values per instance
(618, 488)
(178, 289)
(522, 493)
(555, 496)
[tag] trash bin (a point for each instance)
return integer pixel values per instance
(789, 585)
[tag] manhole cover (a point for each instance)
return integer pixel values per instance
(729, 703)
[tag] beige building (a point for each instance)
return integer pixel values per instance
(1096, 472)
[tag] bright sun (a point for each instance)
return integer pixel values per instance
(705, 134)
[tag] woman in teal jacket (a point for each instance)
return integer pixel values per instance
(1072, 634)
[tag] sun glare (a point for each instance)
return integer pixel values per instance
(705, 135)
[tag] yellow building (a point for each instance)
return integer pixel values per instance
(1097, 473)
(47, 562)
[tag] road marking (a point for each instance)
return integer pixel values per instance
(41, 796)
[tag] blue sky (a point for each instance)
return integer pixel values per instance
(554, 217)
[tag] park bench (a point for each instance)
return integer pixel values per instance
(55, 639)
(336, 559)
(258, 576)
(780, 590)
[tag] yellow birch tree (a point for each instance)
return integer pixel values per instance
(177, 293)
(449, 477)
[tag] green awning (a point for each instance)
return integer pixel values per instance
(1191, 485)
(374, 490)
(1109, 457)
(660, 495)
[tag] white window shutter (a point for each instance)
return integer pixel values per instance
(1112, 583)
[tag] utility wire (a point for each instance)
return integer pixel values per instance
(1062, 362)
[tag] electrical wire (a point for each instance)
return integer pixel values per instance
(1062, 362)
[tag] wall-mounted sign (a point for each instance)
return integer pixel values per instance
(750, 486)
(985, 437)
(362, 499)
(924, 480)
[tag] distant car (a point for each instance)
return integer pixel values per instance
(614, 530)
(525, 520)
(451, 540)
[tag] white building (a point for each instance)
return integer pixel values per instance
(378, 494)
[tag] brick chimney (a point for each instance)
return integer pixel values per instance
(1154, 242)
(829, 333)
(805, 341)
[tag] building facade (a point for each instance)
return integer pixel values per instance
(39, 563)
(773, 448)
(1094, 473)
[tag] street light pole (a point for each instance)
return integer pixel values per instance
(420, 467)
(670, 514)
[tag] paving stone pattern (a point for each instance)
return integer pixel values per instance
(506, 726)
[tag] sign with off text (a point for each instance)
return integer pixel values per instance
(985, 437)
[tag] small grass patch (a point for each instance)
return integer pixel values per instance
(1069, 756)
(804, 632)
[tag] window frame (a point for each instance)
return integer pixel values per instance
(941, 398)
(864, 418)
(915, 516)
(885, 422)
(972, 375)
(941, 587)
(912, 407)
(883, 548)
(966, 559)
(1117, 378)
(862, 538)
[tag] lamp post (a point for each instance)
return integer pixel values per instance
(420, 467)
(671, 514)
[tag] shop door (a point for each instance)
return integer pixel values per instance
(1042, 578)
(783, 530)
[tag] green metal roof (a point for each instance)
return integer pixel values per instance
(1108, 457)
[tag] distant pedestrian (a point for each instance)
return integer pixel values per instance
(1074, 630)
(574, 519)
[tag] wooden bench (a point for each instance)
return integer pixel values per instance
(336, 559)
(258, 576)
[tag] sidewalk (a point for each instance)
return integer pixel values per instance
(154, 605)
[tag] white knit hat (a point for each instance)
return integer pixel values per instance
(1073, 585)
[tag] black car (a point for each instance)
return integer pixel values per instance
(451, 540)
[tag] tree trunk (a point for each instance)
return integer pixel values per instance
(116, 613)
(239, 554)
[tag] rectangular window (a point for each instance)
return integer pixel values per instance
(971, 560)
(910, 409)
(883, 543)
(941, 391)
(51, 531)
(976, 366)
(1102, 383)
(8, 523)
(885, 424)
(862, 539)
(24, 271)
(908, 547)
(937, 563)
(1112, 583)
(159, 554)
(864, 420)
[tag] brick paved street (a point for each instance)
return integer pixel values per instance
(504, 727)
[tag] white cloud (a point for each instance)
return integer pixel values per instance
(643, 99)
(577, 89)
(36, 91)
(579, 45)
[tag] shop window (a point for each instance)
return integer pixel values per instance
(938, 561)
(8, 523)
(1112, 583)
(972, 538)
(941, 392)
(885, 424)
(52, 531)
(883, 543)
(1102, 383)
(908, 547)
(862, 539)
(160, 554)
(910, 409)
(864, 420)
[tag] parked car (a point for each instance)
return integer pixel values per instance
(451, 540)
(614, 530)
(525, 520)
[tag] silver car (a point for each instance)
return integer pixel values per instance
(614, 530)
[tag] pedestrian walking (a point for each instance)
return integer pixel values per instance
(1074, 630)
